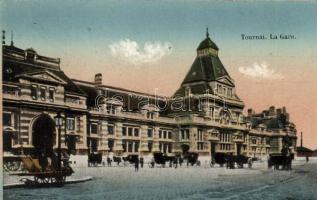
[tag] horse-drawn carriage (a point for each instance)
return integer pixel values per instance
(44, 175)
(192, 159)
(94, 159)
(280, 161)
(160, 159)
(223, 158)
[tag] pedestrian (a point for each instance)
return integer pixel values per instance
(175, 162)
(250, 162)
(152, 162)
(136, 164)
(109, 161)
(307, 158)
(141, 161)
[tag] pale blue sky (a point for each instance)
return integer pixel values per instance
(182, 22)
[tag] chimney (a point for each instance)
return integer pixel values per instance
(284, 110)
(98, 79)
(250, 112)
(272, 111)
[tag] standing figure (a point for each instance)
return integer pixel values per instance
(141, 162)
(136, 164)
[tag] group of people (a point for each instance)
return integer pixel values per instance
(49, 160)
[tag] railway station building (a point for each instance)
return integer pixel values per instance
(204, 115)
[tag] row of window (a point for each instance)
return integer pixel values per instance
(200, 145)
(224, 90)
(43, 93)
(225, 137)
(130, 146)
(164, 134)
(225, 146)
(130, 131)
(165, 147)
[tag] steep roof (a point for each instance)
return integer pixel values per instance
(12, 68)
(205, 68)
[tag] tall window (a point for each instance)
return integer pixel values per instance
(187, 134)
(200, 135)
(43, 93)
(169, 135)
(170, 148)
(136, 132)
(70, 124)
(130, 131)
(110, 144)
(160, 134)
(182, 134)
(51, 94)
(130, 146)
(124, 145)
(124, 131)
(150, 146)
(34, 91)
(110, 130)
(136, 146)
(7, 119)
(150, 132)
(94, 128)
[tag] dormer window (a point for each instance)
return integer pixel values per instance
(150, 115)
(150, 111)
(31, 55)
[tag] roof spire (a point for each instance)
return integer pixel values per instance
(11, 38)
(207, 34)
(3, 37)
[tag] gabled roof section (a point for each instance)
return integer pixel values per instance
(43, 75)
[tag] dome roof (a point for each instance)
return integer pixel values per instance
(207, 43)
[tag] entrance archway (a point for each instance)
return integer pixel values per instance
(43, 134)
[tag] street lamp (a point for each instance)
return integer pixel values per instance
(59, 123)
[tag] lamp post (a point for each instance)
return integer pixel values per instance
(59, 123)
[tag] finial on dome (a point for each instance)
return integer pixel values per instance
(207, 34)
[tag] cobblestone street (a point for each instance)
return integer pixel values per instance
(182, 183)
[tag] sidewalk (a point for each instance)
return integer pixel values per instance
(14, 181)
